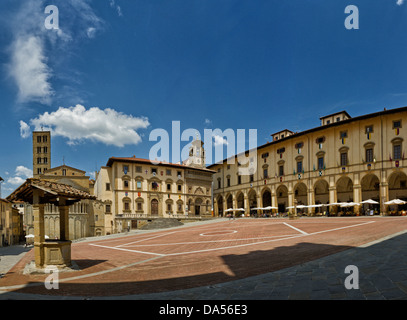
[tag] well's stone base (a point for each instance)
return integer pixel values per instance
(31, 268)
(53, 253)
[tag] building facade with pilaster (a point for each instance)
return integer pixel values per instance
(344, 159)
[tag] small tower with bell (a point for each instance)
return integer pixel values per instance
(196, 154)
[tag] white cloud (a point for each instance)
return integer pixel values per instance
(91, 32)
(21, 174)
(29, 70)
(22, 171)
(117, 7)
(400, 2)
(219, 140)
(29, 65)
(106, 126)
(15, 181)
(25, 130)
(208, 122)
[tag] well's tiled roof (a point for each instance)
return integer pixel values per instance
(52, 190)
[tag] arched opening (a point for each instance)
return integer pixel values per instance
(344, 192)
(370, 184)
(240, 200)
(397, 190)
(266, 198)
(282, 198)
(344, 189)
(252, 199)
(229, 202)
(300, 194)
(154, 207)
(321, 194)
(198, 203)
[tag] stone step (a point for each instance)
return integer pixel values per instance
(161, 224)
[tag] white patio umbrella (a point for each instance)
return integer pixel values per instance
(270, 208)
(29, 236)
(370, 201)
(395, 201)
(350, 204)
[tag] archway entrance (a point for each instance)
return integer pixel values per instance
(370, 190)
(154, 207)
(266, 198)
(397, 190)
(198, 203)
(282, 198)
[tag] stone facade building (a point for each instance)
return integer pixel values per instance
(135, 189)
(11, 224)
(345, 159)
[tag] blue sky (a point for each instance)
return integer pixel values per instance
(265, 65)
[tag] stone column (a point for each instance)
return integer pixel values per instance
(290, 201)
(333, 199)
(64, 223)
(246, 205)
(311, 200)
(39, 230)
(384, 197)
(357, 197)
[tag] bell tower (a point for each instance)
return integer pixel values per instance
(196, 154)
(41, 152)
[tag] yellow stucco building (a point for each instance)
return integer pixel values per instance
(135, 189)
(344, 159)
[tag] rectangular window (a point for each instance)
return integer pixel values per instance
(107, 186)
(126, 183)
(138, 184)
(154, 171)
(168, 172)
(397, 124)
(179, 174)
(281, 170)
(320, 163)
(265, 173)
(139, 206)
(38, 139)
(169, 207)
(228, 182)
(299, 166)
(369, 155)
(45, 149)
(168, 186)
(108, 208)
(251, 178)
(397, 152)
(239, 179)
(344, 159)
(139, 169)
(343, 134)
(44, 139)
(39, 149)
(180, 187)
(127, 206)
